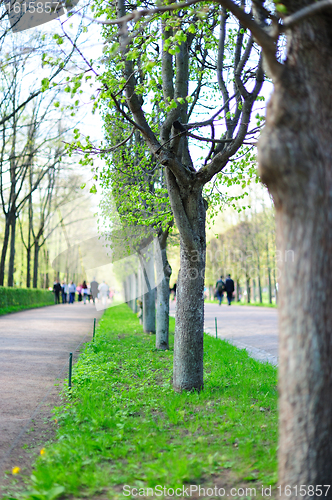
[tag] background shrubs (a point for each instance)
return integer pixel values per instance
(14, 299)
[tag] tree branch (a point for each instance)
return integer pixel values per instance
(302, 14)
(135, 15)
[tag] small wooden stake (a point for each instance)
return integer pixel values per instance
(70, 368)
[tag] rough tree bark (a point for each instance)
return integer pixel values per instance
(248, 289)
(164, 272)
(11, 265)
(254, 291)
(4, 251)
(35, 264)
(260, 295)
(189, 319)
(149, 303)
(295, 161)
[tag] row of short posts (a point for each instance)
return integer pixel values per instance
(93, 337)
(71, 355)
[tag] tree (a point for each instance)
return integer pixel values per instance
(26, 158)
(142, 212)
(295, 163)
(187, 45)
(22, 97)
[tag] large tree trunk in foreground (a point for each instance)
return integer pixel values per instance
(296, 164)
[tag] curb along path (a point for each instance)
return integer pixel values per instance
(34, 351)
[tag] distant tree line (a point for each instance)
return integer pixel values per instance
(248, 252)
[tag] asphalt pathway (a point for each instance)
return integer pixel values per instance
(247, 327)
(34, 351)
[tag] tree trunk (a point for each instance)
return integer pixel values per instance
(28, 257)
(28, 247)
(254, 290)
(46, 277)
(131, 292)
(135, 285)
(296, 163)
(270, 284)
(248, 290)
(140, 293)
(164, 272)
(269, 272)
(4, 251)
(11, 266)
(189, 318)
(237, 291)
(35, 265)
(124, 284)
(275, 286)
(149, 303)
(260, 288)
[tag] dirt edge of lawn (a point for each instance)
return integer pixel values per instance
(38, 433)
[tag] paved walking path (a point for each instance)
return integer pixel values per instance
(34, 350)
(247, 327)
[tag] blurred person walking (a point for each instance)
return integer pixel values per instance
(103, 290)
(89, 293)
(85, 291)
(220, 288)
(72, 290)
(229, 286)
(57, 289)
(64, 292)
(79, 291)
(94, 289)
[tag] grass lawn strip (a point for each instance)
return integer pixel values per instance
(124, 425)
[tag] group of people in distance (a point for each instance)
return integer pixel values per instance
(225, 286)
(85, 292)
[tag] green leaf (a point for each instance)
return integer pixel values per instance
(281, 8)
(45, 84)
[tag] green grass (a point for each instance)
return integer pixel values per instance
(242, 303)
(123, 424)
(256, 304)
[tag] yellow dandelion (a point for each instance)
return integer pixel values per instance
(15, 470)
(42, 451)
